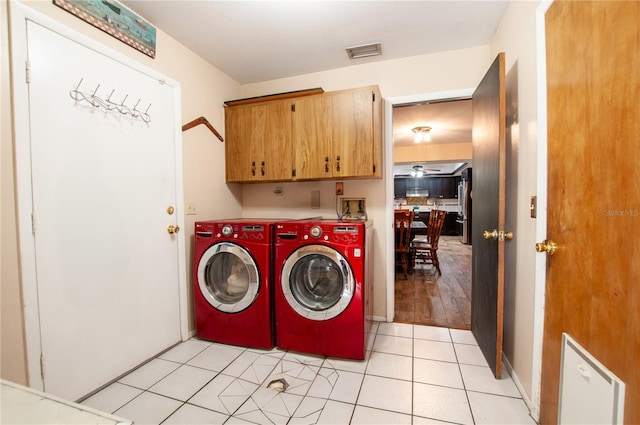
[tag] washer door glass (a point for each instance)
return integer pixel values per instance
(317, 282)
(228, 277)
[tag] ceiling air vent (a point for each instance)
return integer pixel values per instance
(365, 50)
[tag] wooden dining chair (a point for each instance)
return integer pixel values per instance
(402, 228)
(424, 248)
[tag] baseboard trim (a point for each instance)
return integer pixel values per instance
(519, 386)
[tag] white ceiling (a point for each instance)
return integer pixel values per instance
(254, 41)
(450, 122)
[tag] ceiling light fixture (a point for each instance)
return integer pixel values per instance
(418, 171)
(364, 50)
(421, 134)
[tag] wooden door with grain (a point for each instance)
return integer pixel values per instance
(593, 206)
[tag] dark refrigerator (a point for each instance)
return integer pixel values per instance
(464, 204)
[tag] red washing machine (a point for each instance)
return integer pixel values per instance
(232, 281)
(323, 302)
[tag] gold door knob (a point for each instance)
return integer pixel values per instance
(499, 235)
(549, 247)
(173, 229)
(490, 235)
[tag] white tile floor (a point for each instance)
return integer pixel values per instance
(414, 375)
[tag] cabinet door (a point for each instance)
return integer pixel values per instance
(258, 145)
(352, 126)
(272, 145)
(312, 137)
(237, 144)
(400, 187)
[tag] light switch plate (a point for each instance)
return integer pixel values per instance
(190, 208)
(534, 206)
(315, 199)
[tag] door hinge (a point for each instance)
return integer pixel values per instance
(27, 69)
(293, 172)
(34, 223)
(42, 366)
(293, 107)
(374, 168)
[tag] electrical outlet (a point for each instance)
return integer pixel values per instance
(339, 189)
(190, 208)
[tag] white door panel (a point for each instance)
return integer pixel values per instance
(107, 270)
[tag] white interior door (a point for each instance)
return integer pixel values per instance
(107, 269)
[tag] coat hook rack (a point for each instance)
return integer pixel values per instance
(108, 105)
(202, 120)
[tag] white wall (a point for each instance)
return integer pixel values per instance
(434, 73)
(516, 36)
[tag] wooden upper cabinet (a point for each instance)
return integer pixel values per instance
(311, 137)
(320, 136)
(258, 142)
(356, 132)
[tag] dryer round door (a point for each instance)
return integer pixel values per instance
(317, 282)
(228, 277)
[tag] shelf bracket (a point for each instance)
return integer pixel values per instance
(202, 120)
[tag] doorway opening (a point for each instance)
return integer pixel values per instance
(426, 176)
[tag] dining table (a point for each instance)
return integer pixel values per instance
(417, 228)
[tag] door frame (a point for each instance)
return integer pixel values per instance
(388, 143)
(541, 217)
(19, 15)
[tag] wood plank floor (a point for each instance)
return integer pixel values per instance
(428, 299)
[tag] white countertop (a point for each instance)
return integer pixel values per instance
(22, 405)
(427, 208)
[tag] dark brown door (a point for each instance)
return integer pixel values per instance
(488, 193)
(593, 214)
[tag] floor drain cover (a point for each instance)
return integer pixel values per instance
(279, 385)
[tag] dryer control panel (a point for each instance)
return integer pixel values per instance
(241, 231)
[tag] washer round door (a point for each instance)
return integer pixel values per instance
(317, 282)
(228, 277)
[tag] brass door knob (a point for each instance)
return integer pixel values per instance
(173, 229)
(490, 235)
(499, 235)
(549, 247)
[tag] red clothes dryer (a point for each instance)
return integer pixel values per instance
(232, 281)
(323, 287)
